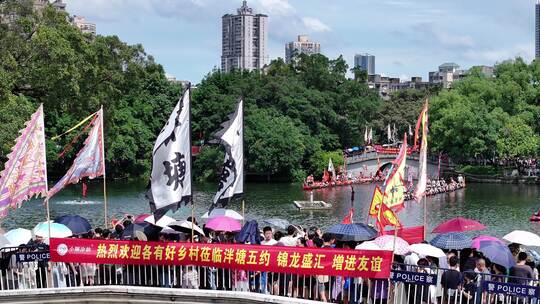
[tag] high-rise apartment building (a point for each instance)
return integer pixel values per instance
(366, 62)
(537, 29)
(244, 37)
(301, 46)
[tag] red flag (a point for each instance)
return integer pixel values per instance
(418, 124)
(326, 176)
(387, 217)
(413, 235)
(420, 190)
(84, 189)
(349, 218)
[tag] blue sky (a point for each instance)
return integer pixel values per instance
(408, 37)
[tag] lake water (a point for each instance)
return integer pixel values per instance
(502, 208)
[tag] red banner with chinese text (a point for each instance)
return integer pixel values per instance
(297, 260)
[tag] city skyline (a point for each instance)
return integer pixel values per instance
(185, 36)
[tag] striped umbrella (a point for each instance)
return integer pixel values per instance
(352, 232)
(452, 240)
(386, 242)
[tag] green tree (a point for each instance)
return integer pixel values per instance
(517, 139)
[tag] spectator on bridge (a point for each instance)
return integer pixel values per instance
(469, 287)
(482, 271)
(521, 273)
(451, 280)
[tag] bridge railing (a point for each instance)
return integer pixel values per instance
(407, 284)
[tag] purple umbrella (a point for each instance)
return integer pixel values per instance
(484, 238)
(497, 253)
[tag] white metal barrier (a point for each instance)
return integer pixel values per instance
(27, 268)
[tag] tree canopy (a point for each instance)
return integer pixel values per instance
(486, 117)
(44, 59)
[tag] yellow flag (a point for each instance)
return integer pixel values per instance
(394, 185)
(376, 201)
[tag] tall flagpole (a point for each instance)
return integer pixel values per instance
(46, 177)
(425, 216)
(191, 168)
(192, 221)
(104, 171)
(243, 211)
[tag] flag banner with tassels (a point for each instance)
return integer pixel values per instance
(394, 185)
(231, 181)
(348, 219)
(25, 173)
(90, 160)
(420, 190)
(419, 124)
(376, 201)
(171, 161)
(387, 217)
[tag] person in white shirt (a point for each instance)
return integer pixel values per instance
(268, 240)
(291, 240)
(268, 234)
(411, 260)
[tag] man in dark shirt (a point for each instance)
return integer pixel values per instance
(521, 273)
(451, 279)
(470, 263)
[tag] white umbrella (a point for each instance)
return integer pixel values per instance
(163, 222)
(277, 222)
(427, 250)
(19, 236)
(223, 212)
(185, 226)
(389, 242)
(523, 237)
(370, 245)
(57, 230)
(169, 230)
(4, 242)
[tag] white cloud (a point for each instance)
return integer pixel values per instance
(496, 55)
(451, 40)
(315, 24)
(277, 7)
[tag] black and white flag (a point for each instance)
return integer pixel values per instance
(231, 180)
(171, 162)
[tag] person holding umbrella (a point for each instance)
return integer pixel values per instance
(521, 273)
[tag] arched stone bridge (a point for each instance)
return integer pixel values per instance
(371, 162)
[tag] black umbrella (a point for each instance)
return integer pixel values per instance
(151, 231)
(353, 232)
(77, 224)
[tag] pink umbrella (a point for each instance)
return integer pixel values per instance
(480, 238)
(223, 223)
(459, 224)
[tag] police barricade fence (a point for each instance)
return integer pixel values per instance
(29, 267)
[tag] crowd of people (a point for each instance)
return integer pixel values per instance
(437, 186)
(459, 274)
(523, 166)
